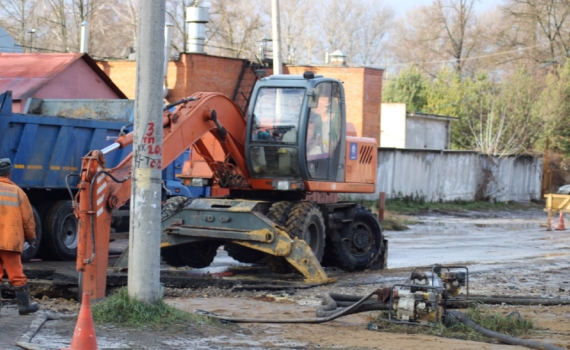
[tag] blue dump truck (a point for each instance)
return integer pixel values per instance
(46, 144)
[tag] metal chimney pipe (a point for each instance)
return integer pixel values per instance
(84, 37)
(167, 40)
(197, 17)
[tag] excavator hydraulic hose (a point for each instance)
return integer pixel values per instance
(92, 223)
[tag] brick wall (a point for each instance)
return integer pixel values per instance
(362, 88)
(199, 72)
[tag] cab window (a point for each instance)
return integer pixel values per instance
(324, 132)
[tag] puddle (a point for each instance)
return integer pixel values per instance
(510, 226)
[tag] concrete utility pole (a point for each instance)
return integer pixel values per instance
(144, 238)
(276, 29)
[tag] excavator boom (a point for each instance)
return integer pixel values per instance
(102, 190)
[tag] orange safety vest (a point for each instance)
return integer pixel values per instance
(17, 223)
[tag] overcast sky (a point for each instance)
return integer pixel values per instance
(401, 6)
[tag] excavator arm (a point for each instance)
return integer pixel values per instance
(102, 190)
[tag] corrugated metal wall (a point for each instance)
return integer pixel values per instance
(449, 175)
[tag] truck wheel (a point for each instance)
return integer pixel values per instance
(305, 221)
(197, 255)
(278, 213)
(60, 231)
(29, 251)
(243, 254)
(359, 250)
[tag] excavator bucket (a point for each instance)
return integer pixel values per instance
(241, 222)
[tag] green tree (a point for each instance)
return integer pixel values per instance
(554, 108)
(409, 87)
(444, 96)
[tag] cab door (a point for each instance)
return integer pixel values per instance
(324, 133)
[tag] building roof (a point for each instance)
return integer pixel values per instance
(431, 116)
(26, 73)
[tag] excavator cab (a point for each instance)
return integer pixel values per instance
(295, 130)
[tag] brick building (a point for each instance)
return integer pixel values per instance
(235, 77)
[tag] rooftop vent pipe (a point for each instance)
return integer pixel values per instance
(84, 37)
(197, 17)
(337, 58)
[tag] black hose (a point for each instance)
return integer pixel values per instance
(335, 315)
(533, 344)
(345, 297)
(333, 303)
(377, 306)
(69, 188)
(509, 300)
(181, 101)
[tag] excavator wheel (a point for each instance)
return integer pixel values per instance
(173, 205)
(278, 213)
(198, 254)
(305, 221)
(359, 250)
(243, 254)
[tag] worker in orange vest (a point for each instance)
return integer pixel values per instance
(16, 226)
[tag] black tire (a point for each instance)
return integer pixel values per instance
(60, 232)
(42, 209)
(243, 254)
(278, 213)
(30, 252)
(197, 255)
(361, 248)
(173, 205)
(305, 221)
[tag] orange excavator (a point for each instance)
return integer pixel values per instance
(284, 165)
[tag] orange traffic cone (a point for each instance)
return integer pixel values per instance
(560, 226)
(84, 334)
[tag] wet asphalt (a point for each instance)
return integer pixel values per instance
(487, 242)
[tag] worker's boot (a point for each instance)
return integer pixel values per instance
(23, 299)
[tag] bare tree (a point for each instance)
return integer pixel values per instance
(57, 20)
(540, 26)
(456, 17)
(235, 27)
(126, 12)
(375, 22)
(18, 15)
(445, 32)
(296, 17)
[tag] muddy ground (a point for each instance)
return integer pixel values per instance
(507, 253)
